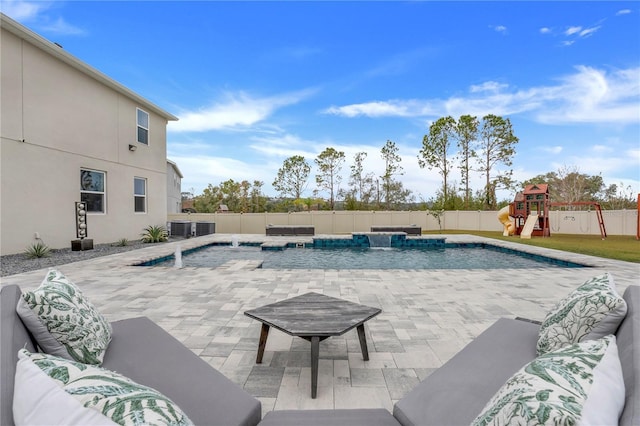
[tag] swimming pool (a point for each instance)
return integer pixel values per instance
(480, 256)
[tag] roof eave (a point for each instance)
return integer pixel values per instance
(54, 50)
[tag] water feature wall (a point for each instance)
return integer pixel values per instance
(379, 240)
(362, 240)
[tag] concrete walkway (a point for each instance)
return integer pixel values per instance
(427, 315)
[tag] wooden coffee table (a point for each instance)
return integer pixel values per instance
(314, 317)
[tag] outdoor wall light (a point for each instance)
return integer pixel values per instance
(132, 148)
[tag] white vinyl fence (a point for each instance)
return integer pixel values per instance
(617, 222)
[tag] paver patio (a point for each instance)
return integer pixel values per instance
(427, 315)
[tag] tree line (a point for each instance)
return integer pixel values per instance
(469, 145)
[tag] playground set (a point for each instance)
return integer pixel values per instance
(530, 213)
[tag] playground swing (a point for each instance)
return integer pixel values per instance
(557, 227)
(530, 210)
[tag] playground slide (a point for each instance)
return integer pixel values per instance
(506, 221)
(528, 226)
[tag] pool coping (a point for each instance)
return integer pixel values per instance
(556, 261)
(140, 256)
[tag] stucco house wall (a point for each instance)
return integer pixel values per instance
(60, 116)
(174, 188)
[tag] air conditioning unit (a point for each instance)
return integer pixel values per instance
(180, 228)
(205, 228)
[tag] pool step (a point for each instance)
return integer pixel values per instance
(274, 245)
(241, 265)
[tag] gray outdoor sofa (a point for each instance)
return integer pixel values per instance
(148, 355)
(457, 392)
(454, 394)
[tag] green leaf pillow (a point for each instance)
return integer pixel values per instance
(53, 390)
(593, 310)
(63, 321)
(578, 384)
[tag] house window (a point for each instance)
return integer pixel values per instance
(92, 190)
(140, 195)
(143, 126)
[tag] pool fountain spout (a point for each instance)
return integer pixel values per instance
(178, 258)
(234, 241)
(379, 240)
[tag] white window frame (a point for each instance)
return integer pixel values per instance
(93, 187)
(136, 196)
(142, 126)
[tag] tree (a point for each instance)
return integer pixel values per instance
(237, 196)
(466, 131)
(258, 200)
(567, 185)
(392, 189)
(362, 185)
(292, 177)
(574, 186)
(209, 200)
(618, 197)
(435, 149)
(329, 164)
(231, 195)
(356, 178)
(496, 147)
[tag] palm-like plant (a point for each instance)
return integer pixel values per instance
(38, 250)
(154, 234)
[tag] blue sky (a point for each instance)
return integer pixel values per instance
(256, 82)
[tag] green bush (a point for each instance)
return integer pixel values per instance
(122, 242)
(154, 234)
(38, 250)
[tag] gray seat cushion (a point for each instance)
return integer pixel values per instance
(14, 337)
(353, 417)
(628, 339)
(455, 393)
(144, 352)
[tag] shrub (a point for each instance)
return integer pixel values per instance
(38, 250)
(122, 242)
(154, 234)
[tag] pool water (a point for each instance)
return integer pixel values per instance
(365, 258)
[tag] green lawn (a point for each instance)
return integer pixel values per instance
(619, 247)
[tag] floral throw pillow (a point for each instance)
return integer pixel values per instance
(53, 390)
(593, 310)
(580, 384)
(63, 321)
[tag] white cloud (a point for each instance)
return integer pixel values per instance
(623, 12)
(500, 29)
(283, 146)
(589, 31)
(600, 149)
(593, 95)
(572, 30)
(588, 95)
(22, 10)
(552, 149)
(488, 86)
(236, 110)
(34, 12)
(397, 108)
(60, 26)
(545, 30)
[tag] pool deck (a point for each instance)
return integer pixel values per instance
(427, 315)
